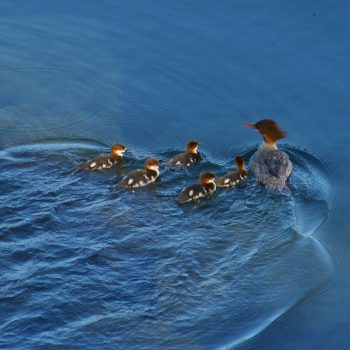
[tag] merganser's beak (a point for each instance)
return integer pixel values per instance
(249, 125)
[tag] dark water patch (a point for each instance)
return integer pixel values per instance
(88, 254)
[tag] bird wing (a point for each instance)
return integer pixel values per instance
(177, 160)
(135, 175)
(190, 192)
(278, 163)
(94, 163)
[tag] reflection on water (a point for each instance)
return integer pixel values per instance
(88, 256)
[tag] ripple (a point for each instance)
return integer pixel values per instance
(73, 100)
(91, 104)
(175, 270)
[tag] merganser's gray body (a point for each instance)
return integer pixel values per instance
(270, 166)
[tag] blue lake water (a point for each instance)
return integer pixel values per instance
(87, 265)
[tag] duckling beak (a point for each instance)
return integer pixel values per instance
(249, 125)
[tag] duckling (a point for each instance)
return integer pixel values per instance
(233, 178)
(142, 177)
(193, 192)
(105, 161)
(187, 158)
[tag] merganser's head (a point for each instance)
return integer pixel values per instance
(118, 149)
(152, 164)
(269, 130)
(240, 163)
(207, 178)
(192, 146)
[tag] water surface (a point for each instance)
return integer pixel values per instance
(88, 265)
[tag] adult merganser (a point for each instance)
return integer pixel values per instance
(105, 161)
(142, 177)
(233, 178)
(187, 158)
(193, 192)
(270, 165)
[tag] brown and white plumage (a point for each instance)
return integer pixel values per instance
(235, 177)
(142, 177)
(270, 165)
(105, 161)
(187, 158)
(196, 191)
